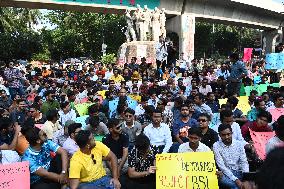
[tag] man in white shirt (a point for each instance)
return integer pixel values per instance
(205, 88)
(223, 71)
(230, 157)
(159, 133)
(194, 144)
(70, 145)
(66, 113)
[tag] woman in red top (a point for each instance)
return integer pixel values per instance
(260, 125)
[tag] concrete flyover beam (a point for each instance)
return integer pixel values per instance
(67, 6)
(233, 13)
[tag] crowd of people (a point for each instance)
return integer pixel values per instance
(140, 110)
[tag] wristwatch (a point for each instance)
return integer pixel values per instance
(63, 172)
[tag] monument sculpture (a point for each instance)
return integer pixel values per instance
(130, 32)
(144, 27)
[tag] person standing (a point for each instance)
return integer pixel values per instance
(238, 72)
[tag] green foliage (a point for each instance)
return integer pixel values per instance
(18, 39)
(42, 56)
(108, 58)
(223, 41)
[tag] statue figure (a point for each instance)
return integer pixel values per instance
(139, 22)
(156, 30)
(163, 23)
(130, 32)
(147, 21)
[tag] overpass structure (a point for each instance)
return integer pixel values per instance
(265, 15)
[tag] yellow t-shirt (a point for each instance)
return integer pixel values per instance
(117, 79)
(82, 166)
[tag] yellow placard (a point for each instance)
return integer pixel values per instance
(243, 104)
(186, 171)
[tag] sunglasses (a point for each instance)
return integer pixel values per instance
(201, 120)
(93, 158)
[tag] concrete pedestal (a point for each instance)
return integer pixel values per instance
(137, 49)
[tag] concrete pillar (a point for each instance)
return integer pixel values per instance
(187, 35)
(270, 40)
(184, 26)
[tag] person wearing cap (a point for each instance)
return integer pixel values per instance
(118, 143)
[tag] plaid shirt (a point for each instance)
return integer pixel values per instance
(14, 77)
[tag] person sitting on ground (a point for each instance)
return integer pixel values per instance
(230, 157)
(9, 137)
(260, 125)
(66, 113)
(96, 127)
(194, 144)
(259, 104)
(201, 106)
(159, 133)
(278, 139)
(46, 172)
(141, 162)
(227, 117)
(212, 103)
(86, 165)
(70, 145)
(19, 115)
(118, 144)
(209, 136)
(52, 124)
(237, 113)
(131, 127)
(50, 102)
(182, 124)
(271, 175)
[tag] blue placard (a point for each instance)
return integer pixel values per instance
(274, 61)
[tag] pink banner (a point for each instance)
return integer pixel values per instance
(247, 54)
(259, 141)
(15, 175)
(276, 113)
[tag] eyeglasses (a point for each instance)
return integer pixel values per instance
(93, 158)
(201, 120)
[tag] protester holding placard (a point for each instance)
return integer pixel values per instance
(141, 161)
(194, 144)
(260, 125)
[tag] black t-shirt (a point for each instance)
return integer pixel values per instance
(116, 146)
(209, 138)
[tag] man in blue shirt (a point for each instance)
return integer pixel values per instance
(183, 123)
(46, 172)
(238, 72)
